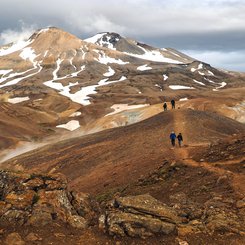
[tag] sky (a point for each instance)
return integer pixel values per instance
(208, 30)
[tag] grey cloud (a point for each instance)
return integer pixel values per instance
(185, 25)
(231, 60)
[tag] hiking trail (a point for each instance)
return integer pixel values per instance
(237, 180)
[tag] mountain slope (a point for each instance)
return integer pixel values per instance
(134, 149)
(133, 48)
(73, 82)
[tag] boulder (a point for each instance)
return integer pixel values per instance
(20, 200)
(39, 200)
(138, 216)
(219, 216)
(34, 184)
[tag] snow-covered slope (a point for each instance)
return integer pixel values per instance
(133, 48)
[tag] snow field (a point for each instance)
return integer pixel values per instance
(199, 82)
(144, 68)
(165, 77)
(71, 125)
(123, 107)
(110, 72)
(177, 87)
(183, 99)
(18, 100)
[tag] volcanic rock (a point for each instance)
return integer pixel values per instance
(38, 200)
(138, 216)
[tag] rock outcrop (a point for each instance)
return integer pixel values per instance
(39, 200)
(138, 216)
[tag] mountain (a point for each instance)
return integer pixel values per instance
(143, 51)
(69, 83)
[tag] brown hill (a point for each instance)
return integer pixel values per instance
(134, 150)
(203, 181)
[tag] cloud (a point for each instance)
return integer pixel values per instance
(95, 24)
(185, 25)
(233, 60)
(9, 35)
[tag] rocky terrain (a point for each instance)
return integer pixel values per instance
(85, 150)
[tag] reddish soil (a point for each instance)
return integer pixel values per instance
(138, 159)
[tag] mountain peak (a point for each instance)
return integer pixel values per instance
(137, 49)
(105, 39)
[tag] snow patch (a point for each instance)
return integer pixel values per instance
(98, 39)
(201, 73)
(177, 87)
(43, 30)
(15, 47)
(58, 62)
(18, 100)
(165, 77)
(200, 66)
(4, 72)
(103, 59)
(209, 80)
(153, 55)
(28, 53)
(123, 107)
(110, 72)
(183, 99)
(80, 96)
(144, 68)
(45, 53)
(157, 85)
(71, 125)
(76, 114)
(95, 38)
(199, 82)
(16, 80)
(223, 84)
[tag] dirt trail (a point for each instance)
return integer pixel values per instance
(237, 180)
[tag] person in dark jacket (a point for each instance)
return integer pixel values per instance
(172, 138)
(165, 107)
(180, 139)
(173, 104)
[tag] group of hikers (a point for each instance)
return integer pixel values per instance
(173, 138)
(165, 106)
(173, 135)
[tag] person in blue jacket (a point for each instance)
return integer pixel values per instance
(172, 138)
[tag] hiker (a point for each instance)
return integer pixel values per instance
(165, 107)
(180, 139)
(172, 138)
(173, 104)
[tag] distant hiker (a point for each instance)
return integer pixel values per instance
(173, 104)
(180, 139)
(172, 138)
(165, 107)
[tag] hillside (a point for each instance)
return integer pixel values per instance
(85, 150)
(140, 160)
